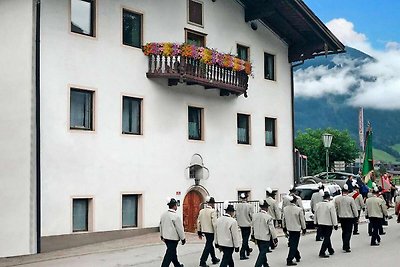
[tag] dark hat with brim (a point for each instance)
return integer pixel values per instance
(211, 200)
(263, 204)
(326, 195)
(171, 202)
(230, 208)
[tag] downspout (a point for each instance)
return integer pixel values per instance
(292, 66)
(37, 117)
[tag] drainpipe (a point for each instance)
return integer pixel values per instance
(295, 179)
(37, 117)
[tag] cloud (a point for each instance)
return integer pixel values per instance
(368, 83)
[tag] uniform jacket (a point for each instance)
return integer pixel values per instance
(358, 199)
(293, 218)
(325, 214)
(171, 226)
(244, 213)
(315, 199)
(376, 207)
(263, 226)
(286, 202)
(227, 232)
(273, 208)
(206, 220)
(346, 207)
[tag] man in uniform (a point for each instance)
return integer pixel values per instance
(244, 213)
(359, 204)
(315, 199)
(273, 210)
(227, 235)
(325, 218)
(205, 226)
(264, 231)
(347, 212)
(171, 230)
(376, 211)
(293, 223)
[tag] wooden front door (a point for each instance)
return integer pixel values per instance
(191, 208)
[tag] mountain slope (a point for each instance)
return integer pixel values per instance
(333, 110)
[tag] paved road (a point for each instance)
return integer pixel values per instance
(148, 256)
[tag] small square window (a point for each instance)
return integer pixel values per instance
(83, 17)
(269, 66)
(195, 38)
(270, 132)
(243, 129)
(195, 123)
(131, 115)
(195, 12)
(130, 211)
(80, 214)
(243, 52)
(247, 194)
(81, 109)
(131, 28)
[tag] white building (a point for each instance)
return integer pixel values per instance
(91, 146)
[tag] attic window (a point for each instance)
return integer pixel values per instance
(195, 12)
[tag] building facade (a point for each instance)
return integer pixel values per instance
(117, 136)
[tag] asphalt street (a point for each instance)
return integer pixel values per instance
(151, 255)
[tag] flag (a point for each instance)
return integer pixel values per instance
(368, 164)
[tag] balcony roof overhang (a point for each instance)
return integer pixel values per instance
(295, 23)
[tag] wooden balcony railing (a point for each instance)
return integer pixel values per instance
(193, 71)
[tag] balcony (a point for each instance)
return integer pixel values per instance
(185, 63)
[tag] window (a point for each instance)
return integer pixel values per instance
(130, 211)
(243, 52)
(247, 193)
(243, 129)
(196, 38)
(195, 12)
(80, 214)
(83, 17)
(269, 66)
(131, 115)
(195, 123)
(131, 28)
(270, 131)
(81, 109)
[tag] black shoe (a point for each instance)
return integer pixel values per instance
(375, 244)
(269, 251)
(291, 263)
(244, 258)
(347, 250)
(319, 239)
(298, 259)
(357, 233)
(215, 261)
(203, 265)
(384, 233)
(323, 256)
(249, 251)
(331, 252)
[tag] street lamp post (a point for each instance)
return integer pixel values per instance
(327, 139)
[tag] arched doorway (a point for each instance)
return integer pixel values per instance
(191, 208)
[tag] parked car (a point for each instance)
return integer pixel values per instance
(333, 177)
(305, 191)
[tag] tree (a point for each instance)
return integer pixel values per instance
(309, 143)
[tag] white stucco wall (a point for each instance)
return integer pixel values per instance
(104, 163)
(17, 139)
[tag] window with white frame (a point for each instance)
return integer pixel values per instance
(131, 28)
(195, 123)
(269, 66)
(195, 12)
(270, 124)
(130, 206)
(80, 214)
(131, 115)
(243, 129)
(83, 17)
(81, 109)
